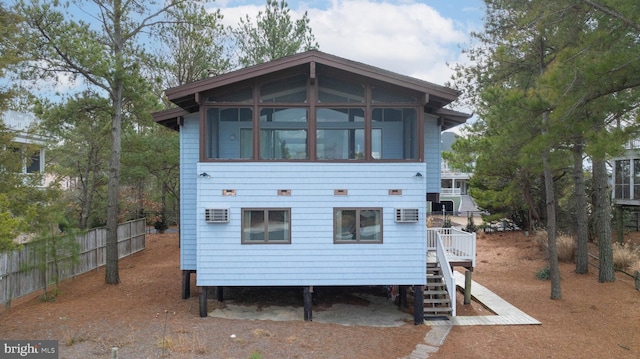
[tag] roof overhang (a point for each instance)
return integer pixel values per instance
(451, 118)
(188, 97)
(170, 118)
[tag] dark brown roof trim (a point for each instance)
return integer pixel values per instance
(169, 118)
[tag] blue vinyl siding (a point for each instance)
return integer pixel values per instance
(312, 258)
(432, 153)
(189, 156)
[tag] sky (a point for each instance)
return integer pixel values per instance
(418, 38)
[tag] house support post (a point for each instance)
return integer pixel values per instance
(418, 304)
(219, 294)
(402, 302)
(307, 296)
(467, 287)
(620, 223)
(186, 284)
(203, 302)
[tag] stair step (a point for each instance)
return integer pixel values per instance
(430, 287)
(433, 310)
(437, 301)
(430, 294)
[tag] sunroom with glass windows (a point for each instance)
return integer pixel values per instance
(289, 118)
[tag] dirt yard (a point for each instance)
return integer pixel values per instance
(145, 317)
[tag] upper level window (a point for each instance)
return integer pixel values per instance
(398, 136)
(30, 159)
(244, 95)
(335, 90)
(229, 133)
(340, 133)
(357, 225)
(623, 179)
(283, 133)
(266, 225)
(387, 95)
(636, 179)
(291, 89)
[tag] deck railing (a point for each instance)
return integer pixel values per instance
(447, 273)
(450, 191)
(457, 244)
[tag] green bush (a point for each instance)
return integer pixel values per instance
(544, 273)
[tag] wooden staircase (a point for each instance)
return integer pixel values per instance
(437, 303)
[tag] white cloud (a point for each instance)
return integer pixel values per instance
(405, 37)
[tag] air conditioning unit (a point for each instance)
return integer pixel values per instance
(407, 215)
(216, 215)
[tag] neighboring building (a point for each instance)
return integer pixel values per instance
(453, 182)
(31, 145)
(310, 170)
(626, 187)
(626, 176)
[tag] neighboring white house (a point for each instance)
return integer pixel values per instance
(310, 171)
(22, 124)
(453, 182)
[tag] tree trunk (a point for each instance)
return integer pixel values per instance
(580, 211)
(112, 275)
(550, 199)
(603, 221)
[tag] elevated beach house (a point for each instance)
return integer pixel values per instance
(309, 171)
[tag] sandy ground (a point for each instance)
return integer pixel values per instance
(145, 318)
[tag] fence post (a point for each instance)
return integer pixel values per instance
(636, 278)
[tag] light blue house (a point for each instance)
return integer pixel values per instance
(310, 171)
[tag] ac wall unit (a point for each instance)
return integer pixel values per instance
(216, 215)
(407, 215)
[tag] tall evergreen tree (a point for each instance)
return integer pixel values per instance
(107, 56)
(274, 35)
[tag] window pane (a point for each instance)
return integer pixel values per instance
(333, 89)
(33, 166)
(283, 144)
(636, 179)
(226, 133)
(253, 225)
(279, 225)
(340, 134)
(370, 225)
(292, 89)
(358, 225)
(399, 133)
(246, 143)
(623, 179)
(387, 95)
(298, 115)
(237, 95)
(345, 225)
(340, 144)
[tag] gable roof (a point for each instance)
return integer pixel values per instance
(436, 96)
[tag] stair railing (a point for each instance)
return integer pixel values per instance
(447, 273)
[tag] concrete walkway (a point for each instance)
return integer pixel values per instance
(506, 314)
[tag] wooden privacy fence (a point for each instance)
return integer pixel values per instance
(20, 273)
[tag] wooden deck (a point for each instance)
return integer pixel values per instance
(506, 314)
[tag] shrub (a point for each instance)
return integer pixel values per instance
(623, 256)
(565, 244)
(544, 273)
(566, 247)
